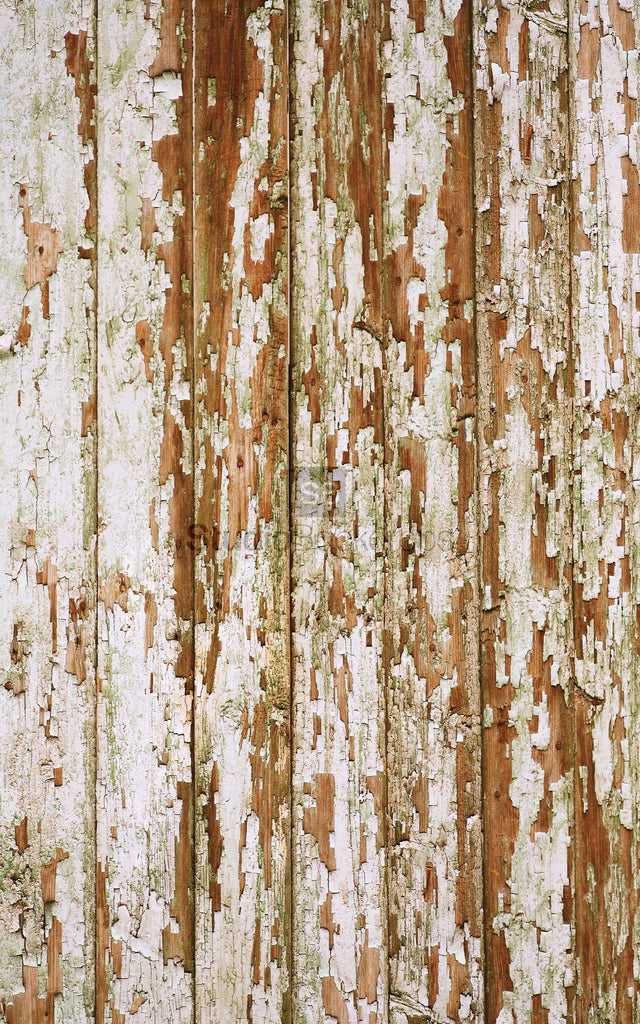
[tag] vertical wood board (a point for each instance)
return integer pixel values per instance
(433, 743)
(525, 436)
(47, 566)
(605, 270)
(242, 517)
(144, 814)
(338, 742)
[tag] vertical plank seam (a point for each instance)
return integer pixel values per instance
(194, 512)
(96, 554)
(572, 418)
(290, 525)
(386, 654)
(476, 494)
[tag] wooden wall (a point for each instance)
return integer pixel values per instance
(319, 512)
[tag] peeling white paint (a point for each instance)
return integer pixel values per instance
(47, 584)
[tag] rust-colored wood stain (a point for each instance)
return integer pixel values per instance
(319, 544)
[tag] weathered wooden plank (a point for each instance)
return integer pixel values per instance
(433, 742)
(242, 517)
(604, 40)
(144, 808)
(339, 912)
(47, 565)
(524, 412)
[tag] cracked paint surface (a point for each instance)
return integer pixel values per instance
(433, 743)
(47, 590)
(339, 785)
(524, 414)
(144, 806)
(605, 271)
(241, 530)
(366, 610)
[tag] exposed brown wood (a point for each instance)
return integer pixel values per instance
(47, 569)
(339, 955)
(605, 290)
(241, 527)
(433, 744)
(319, 412)
(144, 814)
(525, 430)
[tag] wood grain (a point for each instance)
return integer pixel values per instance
(525, 433)
(339, 789)
(606, 298)
(242, 517)
(145, 494)
(319, 633)
(47, 566)
(433, 743)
